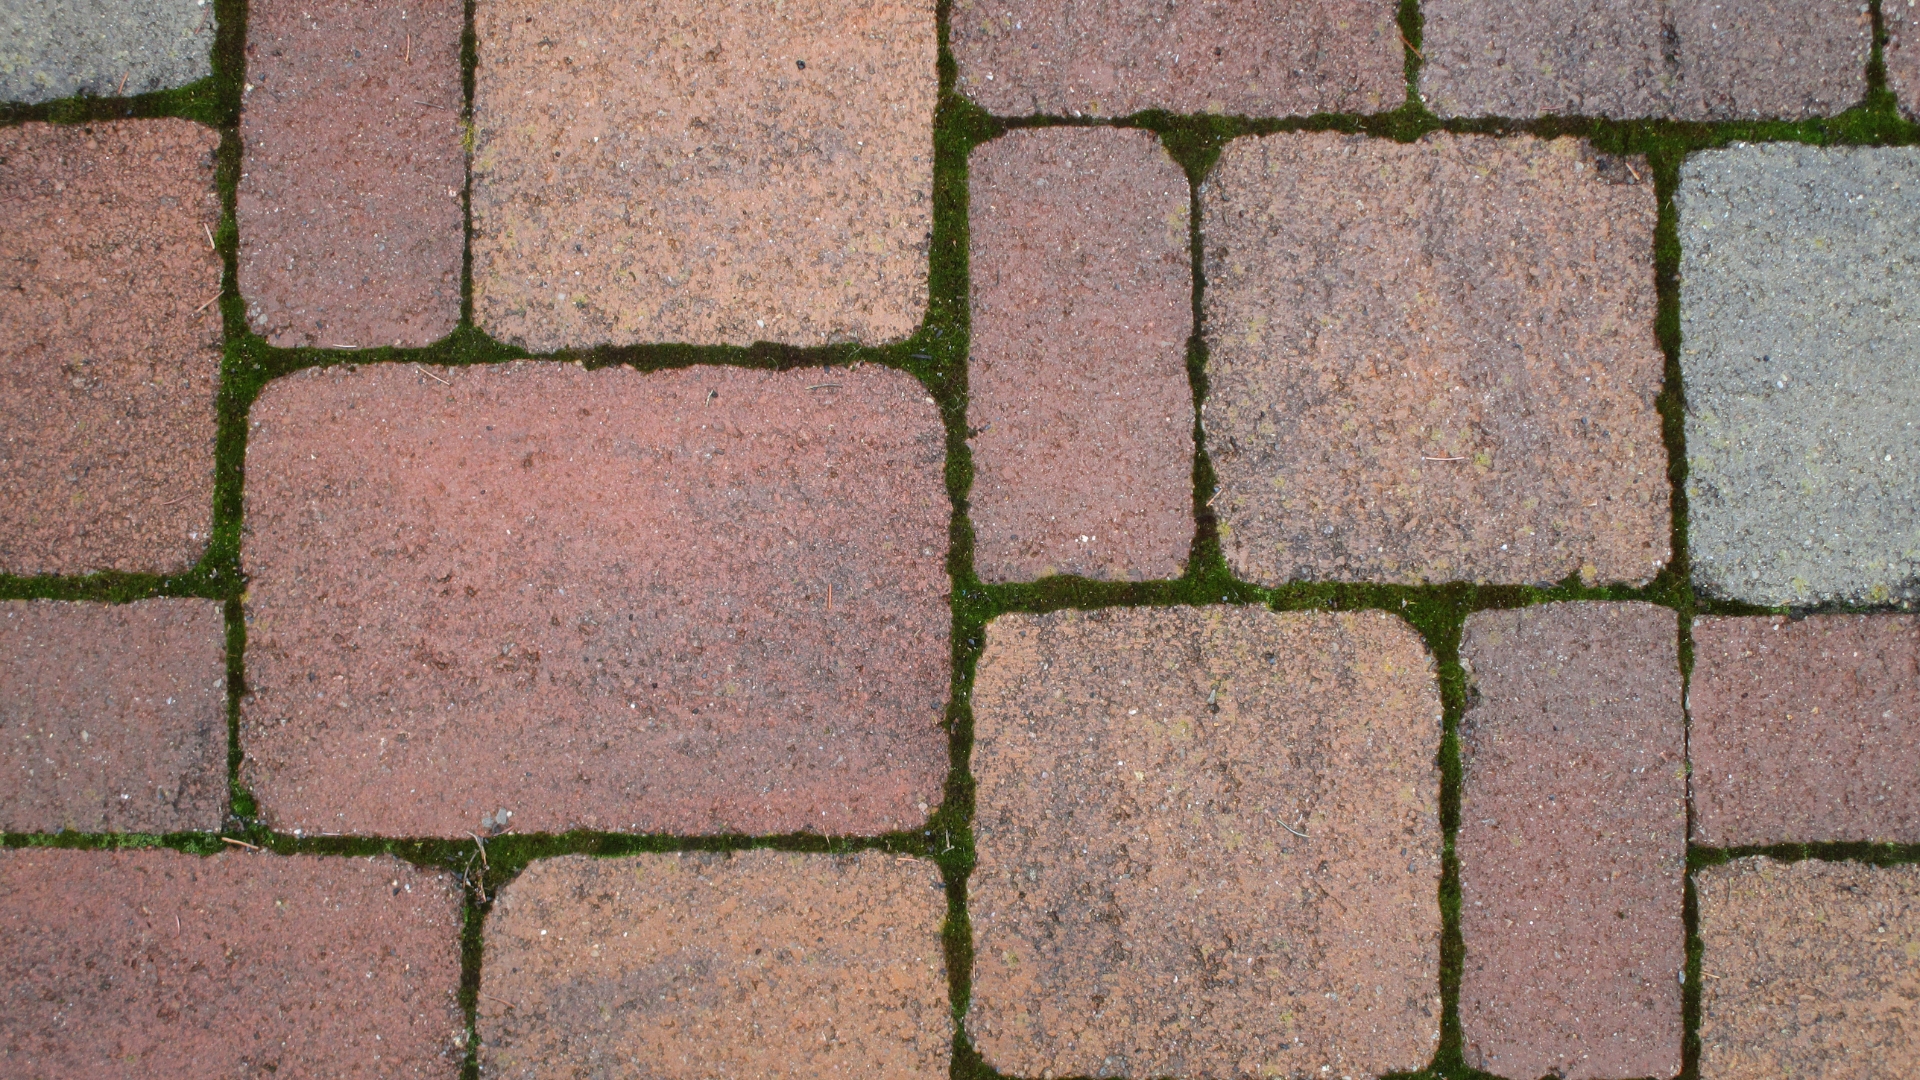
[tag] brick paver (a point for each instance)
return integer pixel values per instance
(349, 200)
(710, 171)
(1800, 315)
(1805, 732)
(1433, 361)
(1110, 58)
(1209, 844)
(755, 965)
(707, 600)
(1684, 59)
(113, 716)
(1078, 401)
(154, 964)
(103, 48)
(111, 352)
(1902, 54)
(1810, 969)
(1572, 842)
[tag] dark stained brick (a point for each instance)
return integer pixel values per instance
(755, 965)
(705, 600)
(1805, 732)
(1082, 297)
(1572, 841)
(351, 228)
(109, 351)
(1209, 844)
(157, 965)
(113, 717)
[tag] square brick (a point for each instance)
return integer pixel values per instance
(111, 351)
(1433, 361)
(1209, 845)
(102, 48)
(708, 171)
(1800, 320)
(755, 965)
(1078, 399)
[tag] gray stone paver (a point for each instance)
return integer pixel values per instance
(106, 48)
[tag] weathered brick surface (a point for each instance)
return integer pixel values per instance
(756, 965)
(1209, 844)
(1110, 58)
(1433, 361)
(1684, 59)
(157, 965)
(711, 171)
(706, 600)
(1082, 297)
(113, 717)
(1572, 842)
(1902, 54)
(1805, 732)
(103, 48)
(1809, 969)
(110, 358)
(1800, 319)
(349, 198)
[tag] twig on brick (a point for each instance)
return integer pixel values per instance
(1411, 47)
(824, 386)
(483, 851)
(442, 382)
(1295, 831)
(829, 596)
(241, 843)
(428, 104)
(501, 1000)
(211, 246)
(409, 57)
(1424, 457)
(1635, 172)
(121, 90)
(206, 305)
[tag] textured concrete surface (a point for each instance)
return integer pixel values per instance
(1078, 401)
(1434, 361)
(1800, 314)
(111, 352)
(717, 172)
(351, 228)
(1902, 53)
(103, 48)
(1810, 970)
(1805, 732)
(1209, 844)
(1681, 59)
(1572, 841)
(1110, 58)
(758, 965)
(154, 965)
(695, 601)
(113, 717)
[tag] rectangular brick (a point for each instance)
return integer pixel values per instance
(1805, 732)
(111, 351)
(102, 48)
(1572, 841)
(351, 227)
(1902, 54)
(156, 965)
(1433, 361)
(1809, 970)
(1078, 401)
(707, 171)
(694, 601)
(114, 716)
(1209, 845)
(1111, 58)
(752, 965)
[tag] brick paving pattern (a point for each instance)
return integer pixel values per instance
(1572, 841)
(1209, 843)
(759, 964)
(1080, 413)
(103, 48)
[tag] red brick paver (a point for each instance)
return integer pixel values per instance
(710, 171)
(708, 600)
(1082, 296)
(349, 198)
(1807, 731)
(755, 965)
(1434, 361)
(1572, 842)
(158, 965)
(1209, 845)
(113, 717)
(1110, 58)
(110, 353)
(1810, 969)
(1902, 54)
